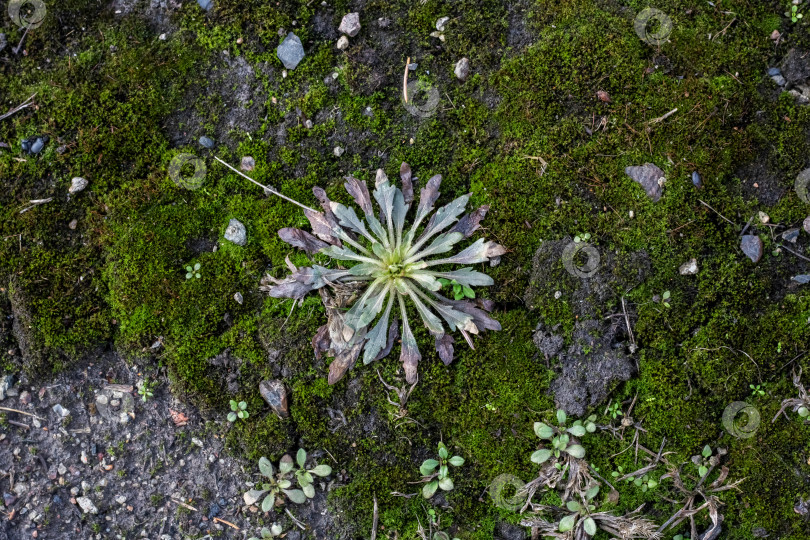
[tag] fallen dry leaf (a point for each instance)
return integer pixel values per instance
(178, 418)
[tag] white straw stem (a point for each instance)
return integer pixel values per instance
(271, 190)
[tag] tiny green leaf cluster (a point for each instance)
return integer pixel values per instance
(702, 461)
(581, 514)
(238, 410)
(274, 531)
(460, 290)
(793, 13)
(560, 437)
(440, 479)
(278, 483)
(582, 237)
(644, 482)
(146, 389)
(193, 271)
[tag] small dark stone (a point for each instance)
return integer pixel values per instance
(6, 384)
(648, 175)
(759, 532)
(57, 500)
(275, 394)
(507, 531)
(774, 71)
(696, 179)
(206, 4)
(38, 145)
(751, 245)
(26, 145)
(796, 66)
(291, 51)
(206, 142)
(213, 510)
(791, 235)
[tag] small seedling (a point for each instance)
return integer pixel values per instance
(665, 299)
(620, 472)
(440, 479)
(645, 483)
(703, 460)
(582, 237)
(681, 537)
(756, 390)
(793, 13)
(146, 389)
(274, 531)
(560, 438)
(238, 410)
(193, 271)
(460, 291)
(275, 483)
(304, 475)
(581, 513)
(614, 410)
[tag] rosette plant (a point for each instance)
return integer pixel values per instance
(390, 264)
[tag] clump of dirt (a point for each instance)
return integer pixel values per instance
(230, 92)
(762, 181)
(600, 350)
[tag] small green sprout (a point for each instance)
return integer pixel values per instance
(238, 410)
(146, 388)
(756, 390)
(442, 536)
(703, 461)
(460, 291)
(274, 531)
(793, 13)
(560, 438)
(193, 272)
(304, 475)
(582, 237)
(620, 472)
(803, 411)
(275, 484)
(440, 479)
(645, 483)
(665, 299)
(681, 537)
(614, 410)
(581, 514)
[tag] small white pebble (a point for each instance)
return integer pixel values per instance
(631, 214)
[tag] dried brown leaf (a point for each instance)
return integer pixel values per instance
(302, 240)
(470, 223)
